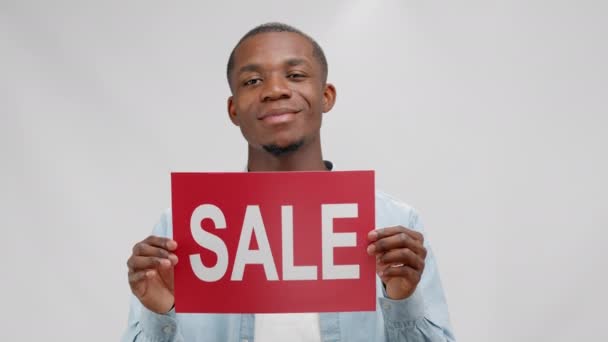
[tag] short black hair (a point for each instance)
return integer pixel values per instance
(317, 51)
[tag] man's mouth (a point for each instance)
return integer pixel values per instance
(279, 115)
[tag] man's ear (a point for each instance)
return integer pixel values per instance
(232, 111)
(329, 97)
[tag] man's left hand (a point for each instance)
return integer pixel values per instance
(400, 256)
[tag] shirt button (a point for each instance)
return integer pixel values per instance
(386, 306)
(167, 329)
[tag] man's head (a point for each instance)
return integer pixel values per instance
(278, 27)
(277, 76)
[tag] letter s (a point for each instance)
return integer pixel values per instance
(210, 242)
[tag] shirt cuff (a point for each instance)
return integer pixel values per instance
(158, 327)
(405, 310)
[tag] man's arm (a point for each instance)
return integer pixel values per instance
(413, 302)
(147, 326)
(424, 315)
(151, 316)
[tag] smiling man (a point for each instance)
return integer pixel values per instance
(278, 79)
(280, 92)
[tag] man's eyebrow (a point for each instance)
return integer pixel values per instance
(292, 62)
(296, 61)
(250, 68)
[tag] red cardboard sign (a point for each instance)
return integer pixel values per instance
(272, 242)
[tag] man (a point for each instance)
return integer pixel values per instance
(277, 76)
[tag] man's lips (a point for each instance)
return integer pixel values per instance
(277, 112)
(280, 115)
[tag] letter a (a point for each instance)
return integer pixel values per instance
(244, 256)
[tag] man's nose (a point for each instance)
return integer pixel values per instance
(275, 88)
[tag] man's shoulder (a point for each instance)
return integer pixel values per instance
(393, 202)
(392, 211)
(164, 226)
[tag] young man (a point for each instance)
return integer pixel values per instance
(278, 76)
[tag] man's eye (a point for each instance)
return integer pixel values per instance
(296, 76)
(252, 81)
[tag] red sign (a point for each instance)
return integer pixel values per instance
(271, 242)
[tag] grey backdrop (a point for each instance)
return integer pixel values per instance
(487, 116)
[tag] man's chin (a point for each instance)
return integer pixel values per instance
(283, 149)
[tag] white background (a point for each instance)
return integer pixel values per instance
(488, 117)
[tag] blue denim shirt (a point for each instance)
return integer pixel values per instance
(421, 317)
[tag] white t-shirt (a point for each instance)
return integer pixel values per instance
(293, 327)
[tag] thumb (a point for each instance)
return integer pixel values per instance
(167, 274)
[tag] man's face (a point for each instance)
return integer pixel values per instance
(278, 90)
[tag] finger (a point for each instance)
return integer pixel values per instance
(399, 240)
(145, 249)
(381, 267)
(406, 272)
(161, 242)
(138, 263)
(136, 277)
(404, 256)
(133, 261)
(381, 233)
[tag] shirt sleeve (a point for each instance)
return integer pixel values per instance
(424, 315)
(145, 325)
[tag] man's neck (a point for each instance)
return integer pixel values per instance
(306, 158)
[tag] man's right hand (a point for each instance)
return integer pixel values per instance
(151, 273)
